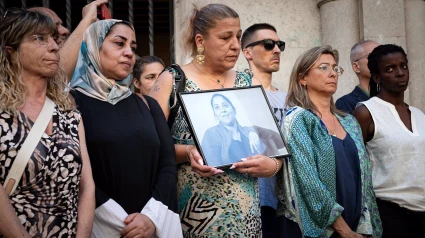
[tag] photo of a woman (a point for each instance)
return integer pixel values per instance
(229, 142)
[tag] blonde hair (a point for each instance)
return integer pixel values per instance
(297, 94)
(200, 21)
(15, 27)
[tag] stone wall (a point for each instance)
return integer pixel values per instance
(297, 23)
(303, 24)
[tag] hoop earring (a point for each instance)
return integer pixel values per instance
(378, 87)
(200, 58)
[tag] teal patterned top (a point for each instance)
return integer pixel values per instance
(224, 205)
(308, 178)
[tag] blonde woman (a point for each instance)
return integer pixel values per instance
(329, 165)
(57, 184)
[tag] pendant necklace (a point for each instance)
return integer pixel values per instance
(332, 132)
(217, 81)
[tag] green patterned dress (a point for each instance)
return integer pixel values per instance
(223, 205)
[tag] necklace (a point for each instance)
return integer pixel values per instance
(332, 132)
(217, 81)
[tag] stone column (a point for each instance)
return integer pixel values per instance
(340, 29)
(415, 35)
(384, 22)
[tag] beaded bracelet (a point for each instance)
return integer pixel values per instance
(277, 167)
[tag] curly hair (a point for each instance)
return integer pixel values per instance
(374, 59)
(14, 28)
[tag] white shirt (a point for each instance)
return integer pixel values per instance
(397, 155)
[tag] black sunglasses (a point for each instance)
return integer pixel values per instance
(269, 44)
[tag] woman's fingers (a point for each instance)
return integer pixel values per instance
(198, 166)
(245, 161)
(248, 171)
(246, 166)
(257, 166)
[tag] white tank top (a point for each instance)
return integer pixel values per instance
(397, 155)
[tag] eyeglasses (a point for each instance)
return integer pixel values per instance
(43, 39)
(327, 68)
(269, 44)
(366, 55)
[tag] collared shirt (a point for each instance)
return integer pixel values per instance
(349, 102)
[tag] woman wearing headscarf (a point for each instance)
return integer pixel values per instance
(130, 146)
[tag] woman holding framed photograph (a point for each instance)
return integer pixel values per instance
(213, 202)
(329, 164)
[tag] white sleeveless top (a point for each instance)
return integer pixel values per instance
(397, 155)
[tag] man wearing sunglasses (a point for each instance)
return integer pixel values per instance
(262, 48)
(70, 44)
(358, 57)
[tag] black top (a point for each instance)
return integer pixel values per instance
(349, 102)
(348, 179)
(131, 151)
(240, 149)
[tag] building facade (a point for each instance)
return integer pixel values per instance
(303, 24)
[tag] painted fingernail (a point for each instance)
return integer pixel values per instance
(243, 159)
(232, 167)
(219, 171)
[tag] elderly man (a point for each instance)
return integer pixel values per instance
(70, 46)
(358, 57)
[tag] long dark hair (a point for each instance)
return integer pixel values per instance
(224, 97)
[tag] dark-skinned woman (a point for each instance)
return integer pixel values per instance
(394, 133)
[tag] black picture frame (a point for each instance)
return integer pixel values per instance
(214, 131)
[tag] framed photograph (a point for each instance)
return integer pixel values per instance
(230, 124)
